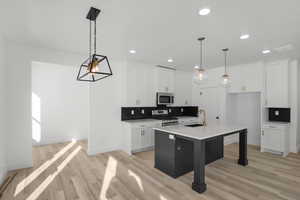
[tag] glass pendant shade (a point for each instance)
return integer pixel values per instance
(200, 72)
(95, 67)
(225, 79)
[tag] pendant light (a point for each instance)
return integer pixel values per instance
(96, 67)
(225, 77)
(200, 70)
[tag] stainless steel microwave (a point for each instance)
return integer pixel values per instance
(164, 98)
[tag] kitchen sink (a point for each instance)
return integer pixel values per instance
(194, 125)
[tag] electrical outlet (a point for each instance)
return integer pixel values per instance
(171, 137)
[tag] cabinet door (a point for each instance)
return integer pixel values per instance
(183, 88)
(277, 84)
(272, 139)
(136, 138)
(237, 79)
(165, 80)
(253, 77)
(146, 139)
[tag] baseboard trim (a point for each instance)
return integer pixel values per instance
(3, 173)
(102, 150)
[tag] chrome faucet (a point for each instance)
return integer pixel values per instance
(202, 111)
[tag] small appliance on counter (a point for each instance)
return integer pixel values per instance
(164, 116)
(280, 115)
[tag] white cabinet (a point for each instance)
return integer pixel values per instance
(165, 79)
(183, 88)
(277, 84)
(275, 138)
(140, 85)
(141, 136)
(246, 78)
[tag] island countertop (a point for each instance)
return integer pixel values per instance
(201, 132)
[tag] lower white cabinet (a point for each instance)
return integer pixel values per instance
(275, 138)
(142, 138)
(139, 137)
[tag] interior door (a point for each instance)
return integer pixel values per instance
(209, 100)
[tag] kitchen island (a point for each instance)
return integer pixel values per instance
(181, 149)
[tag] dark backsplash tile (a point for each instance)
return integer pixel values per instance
(146, 112)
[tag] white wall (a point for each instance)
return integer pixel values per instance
(3, 113)
(245, 110)
(298, 112)
(60, 104)
(105, 114)
(19, 152)
(293, 95)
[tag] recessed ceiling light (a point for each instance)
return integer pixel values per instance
(170, 60)
(244, 37)
(204, 11)
(196, 67)
(132, 51)
(266, 51)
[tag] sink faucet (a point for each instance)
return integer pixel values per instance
(202, 111)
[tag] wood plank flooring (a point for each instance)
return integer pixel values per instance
(64, 171)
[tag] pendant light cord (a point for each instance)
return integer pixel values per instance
(95, 31)
(201, 51)
(90, 42)
(225, 62)
(225, 59)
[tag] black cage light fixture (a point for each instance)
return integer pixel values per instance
(96, 67)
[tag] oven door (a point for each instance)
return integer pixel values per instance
(165, 98)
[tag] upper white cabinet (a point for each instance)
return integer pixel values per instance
(246, 78)
(165, 80)
(140, 85)
(277, 84)
(183, 88)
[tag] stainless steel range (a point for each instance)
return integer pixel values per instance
(164, 116)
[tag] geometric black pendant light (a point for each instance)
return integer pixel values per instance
(96, 67)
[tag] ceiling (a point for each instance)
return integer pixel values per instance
(158, 29)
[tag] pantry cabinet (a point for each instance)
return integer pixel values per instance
(277, 84)
(165, 80)
(246, 78)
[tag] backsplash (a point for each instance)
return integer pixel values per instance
(129, 113)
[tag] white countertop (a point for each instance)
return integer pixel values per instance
(201, 132)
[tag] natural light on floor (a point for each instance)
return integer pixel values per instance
(38, 191)
(110, 173)
(137, 178)
(25, 182)
(36, 117)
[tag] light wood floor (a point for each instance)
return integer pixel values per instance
(64, 171)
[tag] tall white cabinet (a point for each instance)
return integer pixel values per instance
(140, 83)
(165, 79)
(277, 84)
